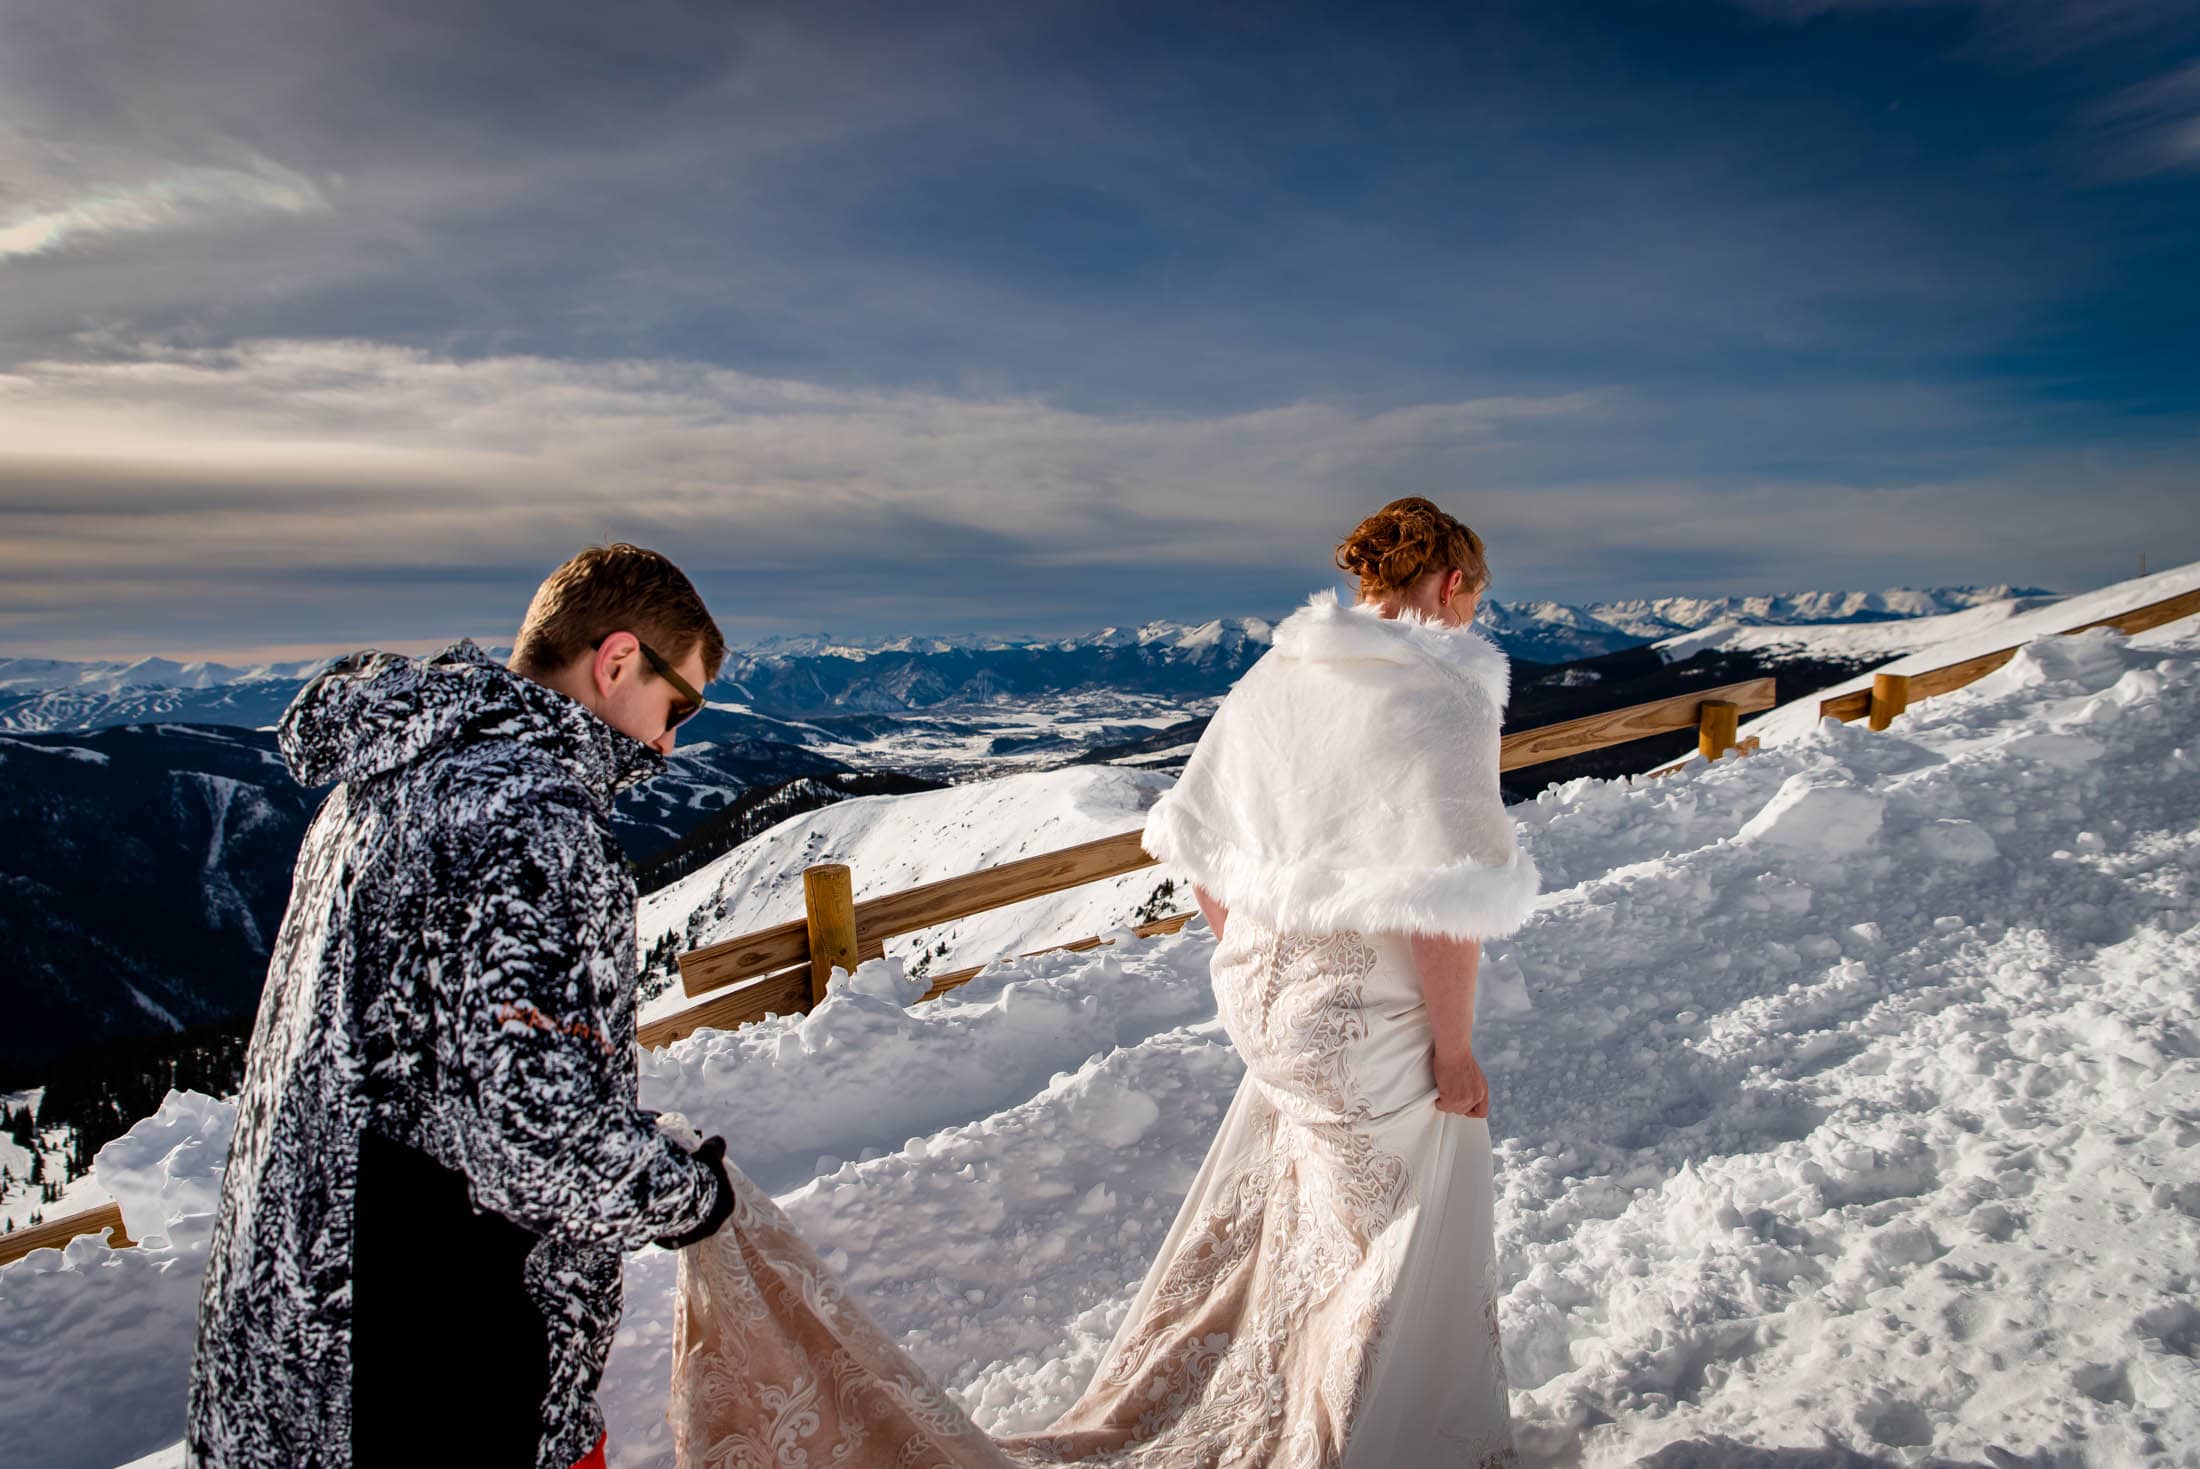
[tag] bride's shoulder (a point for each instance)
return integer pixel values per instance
(1423, 656)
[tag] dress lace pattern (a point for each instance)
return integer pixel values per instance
(775, 1368)
(1254, 1341)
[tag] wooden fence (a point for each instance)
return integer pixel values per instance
(796, 958)
(55, 1233)
(1891, 693)
(788, 964)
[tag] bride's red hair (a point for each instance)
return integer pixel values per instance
(1403, 542)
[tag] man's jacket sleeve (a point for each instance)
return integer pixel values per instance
(542, 1096)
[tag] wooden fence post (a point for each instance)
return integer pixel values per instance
(1716, 723)
(829, 896)
(1890, 696)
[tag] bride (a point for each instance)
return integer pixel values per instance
(1327, 1294)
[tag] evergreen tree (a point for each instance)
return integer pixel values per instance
(1157, 905)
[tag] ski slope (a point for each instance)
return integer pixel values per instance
(1845, 1098)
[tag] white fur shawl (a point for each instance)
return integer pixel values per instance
(1350, 781)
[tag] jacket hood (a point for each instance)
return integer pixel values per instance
(1329, 630)
(372, 713)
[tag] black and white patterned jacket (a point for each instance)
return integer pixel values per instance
(455, 975)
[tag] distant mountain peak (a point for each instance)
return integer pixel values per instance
(803, 675)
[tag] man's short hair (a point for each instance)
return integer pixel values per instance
(616, 588)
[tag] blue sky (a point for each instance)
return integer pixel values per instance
(340, 324)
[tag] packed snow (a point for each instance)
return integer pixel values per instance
(1847, 1100)
(896, 842)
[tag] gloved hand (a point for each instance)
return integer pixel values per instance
(712, 1153)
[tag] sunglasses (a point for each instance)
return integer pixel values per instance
(684, 708)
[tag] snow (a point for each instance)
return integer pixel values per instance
(1983, 630)
(896, 842)
(1859, 640)
(62, 752)
(97, 1340)
(1844, 1099)
(1817, 812)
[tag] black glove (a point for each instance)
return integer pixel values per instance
(712, 1152)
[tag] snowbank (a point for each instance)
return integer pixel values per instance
(97, 1342)
(1844, 1098)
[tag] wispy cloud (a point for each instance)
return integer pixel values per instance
(2035, 30)
(176, 199)
(309, 464)
(2152, 127)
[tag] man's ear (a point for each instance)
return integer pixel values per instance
(614, 660)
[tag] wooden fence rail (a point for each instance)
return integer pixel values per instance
(55, 1233)
(831, 931)
(790, 962)
(1891, 693)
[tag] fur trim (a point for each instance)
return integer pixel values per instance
(1327, 629)
(1464, 900)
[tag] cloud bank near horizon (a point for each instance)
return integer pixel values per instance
(320, 490)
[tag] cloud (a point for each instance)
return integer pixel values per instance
(2036, 31)
(284, 491)
(194, 473)
(2150, 127)
(318, 320)
(986, 197)
(179, 198)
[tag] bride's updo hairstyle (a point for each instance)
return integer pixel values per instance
(1403, 542)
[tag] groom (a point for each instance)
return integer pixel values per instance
(439, 1159)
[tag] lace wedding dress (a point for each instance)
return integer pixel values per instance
(1326, 1298)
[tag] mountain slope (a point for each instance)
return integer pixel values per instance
(142, 878)
(191, 831)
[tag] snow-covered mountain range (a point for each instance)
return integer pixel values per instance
(814, 676)
(1842, 1100)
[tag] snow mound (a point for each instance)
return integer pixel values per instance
(97, 1341)
(166, 1172)
(1817, 811)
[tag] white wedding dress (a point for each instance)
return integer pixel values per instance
(1326, 1298)
(1327, 1295)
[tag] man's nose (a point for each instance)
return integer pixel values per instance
(663, 743)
